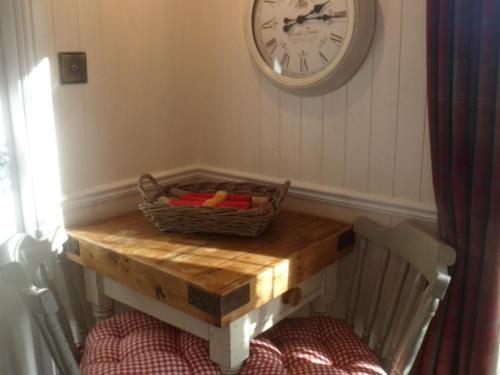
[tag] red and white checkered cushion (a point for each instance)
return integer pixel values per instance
(133, 343)
(310, 346)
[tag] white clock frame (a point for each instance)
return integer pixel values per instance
(360, 30)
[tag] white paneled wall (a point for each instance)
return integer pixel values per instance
(171, 84)
(132, 116)
(368, 136)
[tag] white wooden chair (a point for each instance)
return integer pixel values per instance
(24, 264)
(404, 321)
(389, 311)
(151, 346)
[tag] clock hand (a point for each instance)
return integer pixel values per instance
(289, 23)
(318, 8)
(324, 17)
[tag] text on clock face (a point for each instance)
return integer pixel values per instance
(298, 38)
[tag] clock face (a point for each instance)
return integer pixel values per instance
(301, 38)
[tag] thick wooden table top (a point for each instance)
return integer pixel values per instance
(214, 278)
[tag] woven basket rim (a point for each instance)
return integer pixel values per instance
(211, 220)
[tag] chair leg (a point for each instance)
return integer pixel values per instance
(322, 306)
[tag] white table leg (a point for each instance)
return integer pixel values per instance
(323, 305)
(102, 305)
(230, 346)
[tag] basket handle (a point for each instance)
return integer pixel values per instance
(282, 193)
(155, 187)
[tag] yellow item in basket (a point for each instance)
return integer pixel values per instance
(219, 197)
(163, 199)
(210, 203)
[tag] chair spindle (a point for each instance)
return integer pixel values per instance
(45, 309)
(375, 297)
(49, 282)
(352, 303)
(417, 289)
(408, 349)
(391, 310)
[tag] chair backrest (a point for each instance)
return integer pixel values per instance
(398, 307)
(25, 264)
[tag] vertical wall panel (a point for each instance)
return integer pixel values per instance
(334, 137)
(386, 56)
(177, 67)
(231, 135)
(412, 94)
(66, 24)
(43, 23)
(208, 127)
(290, 136)
(358, 128)
(250, 120)
(270, 128)
(248, 83)
(96, 92)
(311, 139)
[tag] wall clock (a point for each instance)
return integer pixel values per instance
(309, 47)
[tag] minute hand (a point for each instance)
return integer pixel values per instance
(317, 8)
(301, 19)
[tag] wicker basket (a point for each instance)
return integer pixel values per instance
(229, 221)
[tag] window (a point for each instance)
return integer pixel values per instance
(29, 172)
(9, 201)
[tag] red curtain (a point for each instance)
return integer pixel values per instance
(463, 54)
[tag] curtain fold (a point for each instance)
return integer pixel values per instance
(463, 58)
(29, 79)
(26, 94)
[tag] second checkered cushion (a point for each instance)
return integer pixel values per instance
(134, 343)
(310, 346)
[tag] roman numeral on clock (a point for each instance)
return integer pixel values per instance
(324, 59)
(336, 38)
(341, 14)
(285, 60)
(272, 45)
(268, 25)
(303, 65)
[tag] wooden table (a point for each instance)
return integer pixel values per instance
(224, 289)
